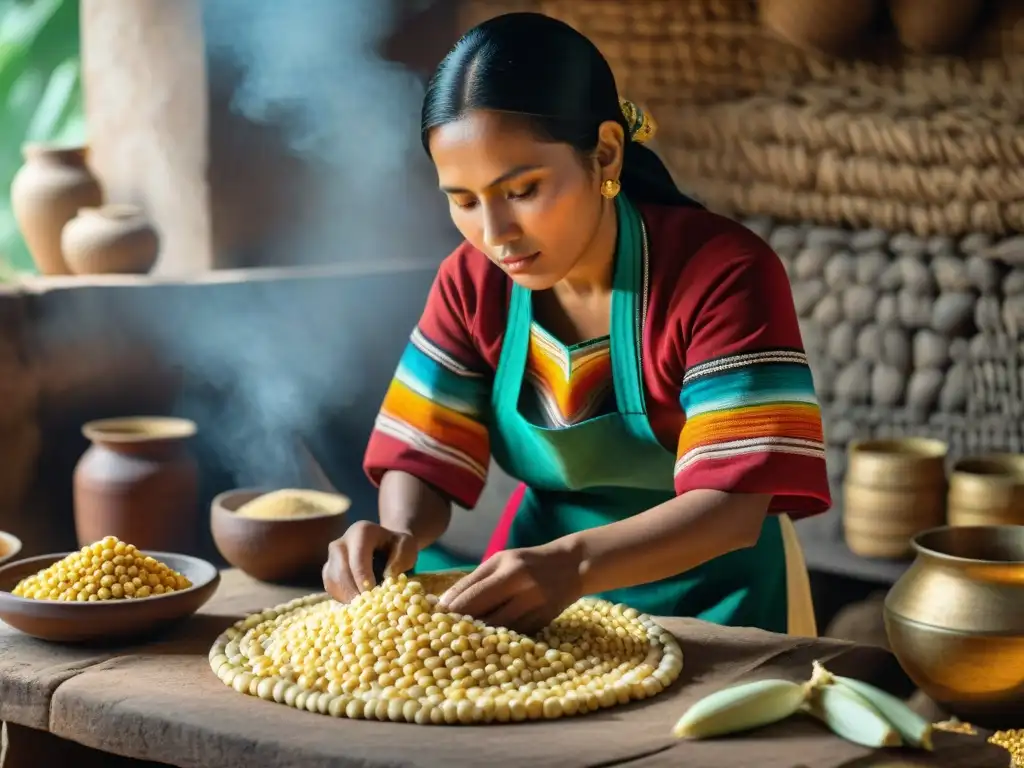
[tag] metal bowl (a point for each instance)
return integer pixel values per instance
(955, 621)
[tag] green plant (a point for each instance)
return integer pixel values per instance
(40, 98)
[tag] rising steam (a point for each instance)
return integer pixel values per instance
(311, 68)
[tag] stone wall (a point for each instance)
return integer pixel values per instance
(910, 336)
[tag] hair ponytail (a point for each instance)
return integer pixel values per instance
(645, 179)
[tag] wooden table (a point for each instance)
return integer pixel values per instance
(160, 702)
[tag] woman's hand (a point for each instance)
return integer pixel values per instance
(349, 568)
(522, 589)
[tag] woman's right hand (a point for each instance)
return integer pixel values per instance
(349, 568)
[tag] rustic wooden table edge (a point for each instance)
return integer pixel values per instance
(238, 595)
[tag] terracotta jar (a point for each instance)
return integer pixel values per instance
(954, 623)
(111, 239)
(893, 490)
(137, 481)
(826, 26)
(46, 193)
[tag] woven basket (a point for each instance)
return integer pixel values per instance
(845, 156)
(754, 126)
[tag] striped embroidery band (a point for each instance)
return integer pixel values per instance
(794, 446)
(723, 364)
(438, 406)
(428, 445)
(438, 355)
(757, 402)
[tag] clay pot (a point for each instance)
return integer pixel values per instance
(47, 192)
(275, 551)
(954, 625)
(893, 490)
(138, 482)
(106, 621)
(987, 490)
(826, 26)
(109, 240)
(10, 546)
(934, 26)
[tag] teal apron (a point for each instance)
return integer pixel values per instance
(612, 467)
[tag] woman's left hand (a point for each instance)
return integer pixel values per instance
(521, 589)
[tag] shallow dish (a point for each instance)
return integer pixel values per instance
(280, 551)
(10, 546)
(108, 620)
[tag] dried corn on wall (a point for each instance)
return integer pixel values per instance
(893, 189)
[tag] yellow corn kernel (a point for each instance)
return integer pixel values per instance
(390, 654)
(105, 570)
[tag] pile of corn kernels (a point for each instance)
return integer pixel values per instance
(1013, 742)
(106, 570)
(390, 655)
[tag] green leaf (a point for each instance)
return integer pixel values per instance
(40, 98)
(61, 92)
(22, 22)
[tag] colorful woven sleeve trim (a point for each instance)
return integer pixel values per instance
(432, 422)
(753, 424)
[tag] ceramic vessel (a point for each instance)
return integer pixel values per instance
(893, 490)
(110, 239)
(275, 551)
(106, 621)
(987, 490)
(137, 481)
(10, 546)
(935, 26)
(820, 25)
(954, 621)
(47, 192)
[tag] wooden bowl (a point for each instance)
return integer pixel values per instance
(274, 551)
(10, 546)
(110, 619)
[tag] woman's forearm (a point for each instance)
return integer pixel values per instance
(669, 539)
(409, 505)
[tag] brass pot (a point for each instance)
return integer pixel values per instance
(987, 490)
(893, 490)
(954, 621)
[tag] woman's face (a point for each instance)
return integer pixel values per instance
(532, 207)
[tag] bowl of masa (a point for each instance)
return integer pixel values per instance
(278, 536)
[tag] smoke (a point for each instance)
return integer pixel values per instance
(311, 69)
(282, 356)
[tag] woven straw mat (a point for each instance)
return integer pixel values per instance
(754, 126)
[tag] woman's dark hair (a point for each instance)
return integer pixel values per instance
(546, 72)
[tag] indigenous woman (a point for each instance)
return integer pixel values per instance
(633, 359)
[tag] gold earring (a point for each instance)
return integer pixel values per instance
(610, 188)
